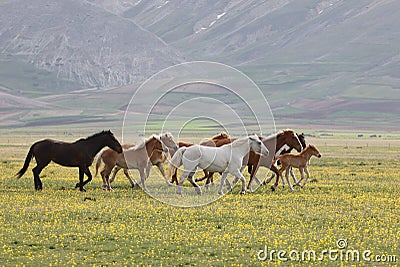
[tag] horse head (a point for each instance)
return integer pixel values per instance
(168, 140)
(292, 140)
(111, 141)
(257, 146)
(314, 151)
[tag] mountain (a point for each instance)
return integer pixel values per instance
(306, 56)
(325, 62)
(81, 42)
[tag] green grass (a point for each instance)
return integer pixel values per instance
(353, 194)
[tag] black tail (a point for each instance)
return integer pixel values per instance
(249, 168)
(26, 164)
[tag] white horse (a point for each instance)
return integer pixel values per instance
(225, 159)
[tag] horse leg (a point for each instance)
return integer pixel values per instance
(161, 168)
(116, 169)
(308, 176)
(206, 175)
(175, 178)
(278, 174)
(89, 177)
(105, 175)
(302, 175)
(196, 186)
(253, 176)
(148, 168)
(240, 177)
(293, 176)
(133, 183)
(266, 181)
(184, 175)
(223, 179)
(287, 179)
(142, 178)
(80, 184)
(36, 172)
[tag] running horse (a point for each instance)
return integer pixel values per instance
(283, 151)
(226, 159)
(215, 141)
(274, 143)
(300, 161)
(136, 157)
(157, 158)
(77, 154)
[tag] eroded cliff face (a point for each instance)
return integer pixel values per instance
(81, 42)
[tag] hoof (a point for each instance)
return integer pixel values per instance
(179, 191)
(273, 188)
(220, 193)
(82, 189)
(243, 192)
(77, 185)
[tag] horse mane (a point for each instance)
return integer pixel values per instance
(221, 135)
(278, 134)
(143, 143)
(94, 136)
(308, 147)
(271, 136)
(167, 134)
(239, 141)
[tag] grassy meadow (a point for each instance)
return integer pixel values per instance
(353, 195)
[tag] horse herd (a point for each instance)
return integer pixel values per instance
(221, 153)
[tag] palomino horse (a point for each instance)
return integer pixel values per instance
(157, 158)
(77, 154)
(136, 157)
(298, 161)
(215, 141)
(225, 159)
(274, 143)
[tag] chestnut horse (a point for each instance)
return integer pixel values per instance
(299, 161)
(77, 154)
(215, 141)
(274, 143)
(285, 151)
(157, 158)
(135, 157)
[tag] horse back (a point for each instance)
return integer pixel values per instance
(63, 153)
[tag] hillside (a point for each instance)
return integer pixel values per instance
(324, 62)
(81, 42)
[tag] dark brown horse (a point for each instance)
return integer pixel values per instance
(77, 154)
(217, 141)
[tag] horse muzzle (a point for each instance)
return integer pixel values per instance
(264, 152)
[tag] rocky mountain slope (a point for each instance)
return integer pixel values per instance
(315, 60)
(81, 42)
